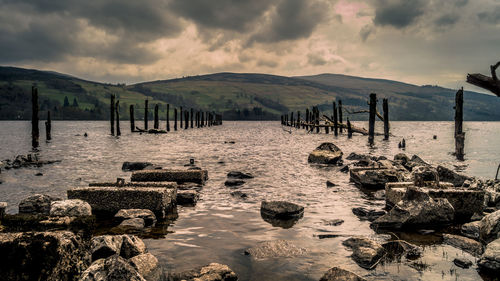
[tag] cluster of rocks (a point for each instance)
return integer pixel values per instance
(28, 160)
(236, 179)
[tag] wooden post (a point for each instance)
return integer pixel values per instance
(132, 118)
(35, 132)
(335, 121)
(202, 119)
(112, 114)
(156, 122)
(186, 119)
(48, 127)
(371, 125)
(175, 119)
(146, 115)
(180, 118)
(192, 118)
(459, 118)
(197, 119)
(385, 106)
(307, 118)
(327, 129)
(118, 132)
(291, 119)
(298, 120)
(317, 120)
(168, 117)
(349, 129)
(340, 116)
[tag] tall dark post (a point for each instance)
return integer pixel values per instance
(146, 115)
(317, 120)
(459, 118)
(175, 119)
(168, 117)
(35, 132)
(180, 116)
(132, 118)
(291, 119)
(385, 106)
(371, 125)
(349, 129)
(197, 119)
(186, 119)
(298, 120)
(340, 116)
(335, 121)
(192, 118)
(156, 124)
(48, 127)
(307, 118)
(112, 114)
(281, 119)
(118, 132)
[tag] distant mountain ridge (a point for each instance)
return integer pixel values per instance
(247, 96)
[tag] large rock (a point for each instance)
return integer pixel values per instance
(417, 209)
(275, 249)
(423, 174)
(147, 266)
(112, 268)
(110, 200)
(396, 248)
(339, 274)
(234, 182)
(187, 197)
(448, 175)
(211, 272)
(489, 227)
(367, 214)
(470, 246)
(37, 204)
(179, 176)
(366, 252)
(126, 246)
(132, 246)
(52, 256)
(70, 208)
(281, 209)
(471, 229)
(326, 153)
(239, 175)
(132, 224)
(135, 166)
(374, 178)
(147, 215)
(490, 260)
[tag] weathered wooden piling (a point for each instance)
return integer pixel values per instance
(373, 111)
(307, 119)
(349, 129)
(291, 119)
(202, 119)
(317, 120)
(340, 117)
(146, 115)
(459, 133)
(192, 119)
(156, 124)
(186, 119)
(117, 109)
(298, 120)
(168, 117)
(48, 127)
(175, 119)
(112, 114)
(197, 119)
(385, 106)
(132, 118)
(180, 118)
(335, 120)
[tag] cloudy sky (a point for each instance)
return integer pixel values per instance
(415, 41)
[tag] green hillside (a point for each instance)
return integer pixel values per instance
(237, 96)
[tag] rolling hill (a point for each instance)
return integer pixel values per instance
(236, 95)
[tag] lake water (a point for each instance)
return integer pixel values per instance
(220, 227)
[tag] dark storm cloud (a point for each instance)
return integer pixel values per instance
(447, 19)
(398, 13)
(365, 32)
(492, 16)
(292, 19)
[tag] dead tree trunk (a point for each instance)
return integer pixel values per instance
(371, 125)
(459, 134)
(112, 114)
(385, 106)
(35, 131)
(491, 84)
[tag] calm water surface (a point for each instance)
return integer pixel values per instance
(220, 227)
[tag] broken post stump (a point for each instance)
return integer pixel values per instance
(112, 114)
(192, 119)
(385, 106)
(335, 121)
(459, 116)
(132, 118)
(118, 131)
(156, 124)
(371, 125)
(186, 119)
(349, 129)
(168, 117)
(175, 119)
(146, 115)
(48, 127)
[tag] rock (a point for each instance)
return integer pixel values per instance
(147, 266)
(135, 166)
(471, 230)
(339, 274)
(211, 272)
(401, 158)
(58, 255)
(396, 248)
(330, 184)
(239, 194)
(418, 161)
(131, 246)
(366, 253)
(132, 224)
(281, 209)
(3, 206)
(326, 153)
(470, 246)
(111, 268)
(187, 197)
(417, 208)
(462, 262)
(345, 169)
(423, 174)
(37, 204)
(374, 178)
(239, 175)
(104, 246)
(147, 215)
(489, 227)
(70, 208)
(179, 176)
(39, 174)
(357, 157)
(234, 182)
(448, 175)
(334, 222)
(367, 214)
(275, 249)
(490, 260)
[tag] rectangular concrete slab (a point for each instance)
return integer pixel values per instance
(110, 200)
(179, 176)
(166, 184)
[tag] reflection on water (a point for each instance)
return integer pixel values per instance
(221, 226)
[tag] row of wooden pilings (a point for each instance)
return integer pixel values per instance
(335, 122)
(187, 118)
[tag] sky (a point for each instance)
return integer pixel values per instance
(423, 42)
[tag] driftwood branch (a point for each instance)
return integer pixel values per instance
(491, 84)
(365, 111)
